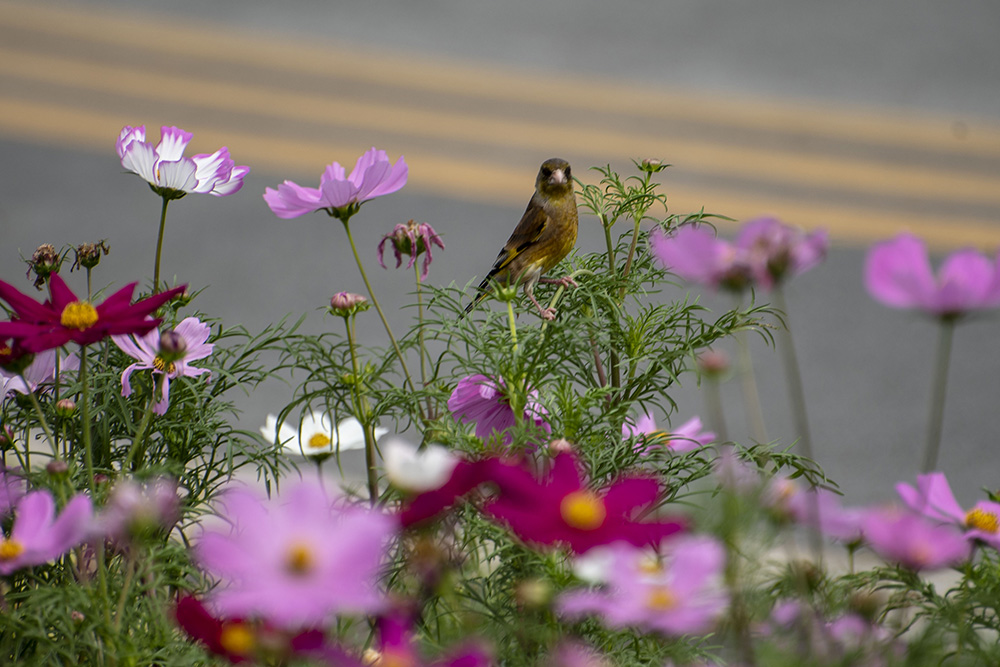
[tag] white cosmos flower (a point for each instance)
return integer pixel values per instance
(316, 434)
(416, 470)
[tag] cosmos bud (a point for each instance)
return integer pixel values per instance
(346, 304)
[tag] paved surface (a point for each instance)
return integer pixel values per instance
(859, 119)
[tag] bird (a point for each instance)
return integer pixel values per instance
(545, 234)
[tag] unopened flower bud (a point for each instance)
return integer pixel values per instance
(77, 617)
(65, 407)
(57, 468)
(88, 255)
(560, 446)
(713, 363)
(172, 346)
(44, 262)
(533, 593)
(652, 165)
(346, 304)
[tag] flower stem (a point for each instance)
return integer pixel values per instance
(616, 379)
(159, 247)
(793, 376)
(420, 337)
(41, 416)
(751, 401)
(628, 261)
(378, 308)
(513, 326)
(140, 434)
(713, 407)
(936, 421)
(361, 413)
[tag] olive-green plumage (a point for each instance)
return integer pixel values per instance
(545, 234)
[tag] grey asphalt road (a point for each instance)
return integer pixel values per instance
(866, 369)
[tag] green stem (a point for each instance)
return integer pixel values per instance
(628, 261)
(361, 413)
(616, 379)
(41, 416)
(936, 421)
(713, 408)
(751, 401)
(140, 434)
(793, 376)
(420, 337)
(378, 308)
(513, 326)
(159, 249)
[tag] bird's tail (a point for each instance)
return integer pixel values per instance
(482, 292)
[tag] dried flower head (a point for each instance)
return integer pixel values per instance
(45, 261)
(88, 255)
(412, 239)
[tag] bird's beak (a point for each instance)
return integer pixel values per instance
(558, 177)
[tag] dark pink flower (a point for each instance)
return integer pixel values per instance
(898, 274)
(65, 318)
(913, 541)
(934, 499)
(560, 509)
(338, 194)
(681, 595)
(38, 536)
(414, 240)
(397, 647)
(482, 400)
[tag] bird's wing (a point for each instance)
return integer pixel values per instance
(527, 232)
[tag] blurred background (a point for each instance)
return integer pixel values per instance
(864, 118)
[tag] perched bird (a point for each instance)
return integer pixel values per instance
(545, 234)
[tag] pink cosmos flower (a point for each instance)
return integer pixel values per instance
(934, 499)
(172, 175)
(777, 251)
(39, 372)
(414, 240)
(685, 438)
(682, 595)
(898, 274)
(697, 255)
(136, 510)
(296, 559)
(340, 195)
(38, 536)
(64, 318)
(819, 508)
(914, 541)
(560, 509)
(146, 349)
(481, 400)
(12, 488)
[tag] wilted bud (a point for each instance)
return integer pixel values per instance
(346, 304)
(57, 468)
(65, 407)
(44, 262)
(652, 166)
(713, 363)
(88, 255)
(412, 239)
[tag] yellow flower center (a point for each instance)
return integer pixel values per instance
(78, 315)
(10, 549)
(237, 638)
(980, 519)
(300, 560)
(161, 365)
(319, 441)
(391, 658)
(660, 598)
(583, 510)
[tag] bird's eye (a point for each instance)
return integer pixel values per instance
(566, 171)
(546, 172)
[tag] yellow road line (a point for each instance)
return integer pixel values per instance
(217, 42)
(434, 173)
(917, 182)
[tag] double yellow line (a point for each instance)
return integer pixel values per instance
(75, 77)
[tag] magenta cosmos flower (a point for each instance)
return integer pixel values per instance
(414, 240)
(397, 647)
(296, 559)
(777, 251)
(934, 499)
(914, 541)
(188, 343)
(685, 438)
(560, 509)
(172, 175)
(898, 274)
(681, 595)
(38, 536)
(481, 400)
(65, 318)
(338, 194)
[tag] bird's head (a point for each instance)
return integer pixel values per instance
(554, 178)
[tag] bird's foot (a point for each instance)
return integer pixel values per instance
(547, 314)
(563, 282)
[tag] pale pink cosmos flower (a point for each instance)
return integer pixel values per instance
(12, 486)
(297, 559)
(172, 175)
(777, 251)
(695, 254)
(339, 194)
(147, 351)
(685, 438)
(914, 541)
(681, 595)
(819, 508)
(39, 373)
(136, 510)
(38, 536)
(933, 498)
(898, 274)
(481, 400)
